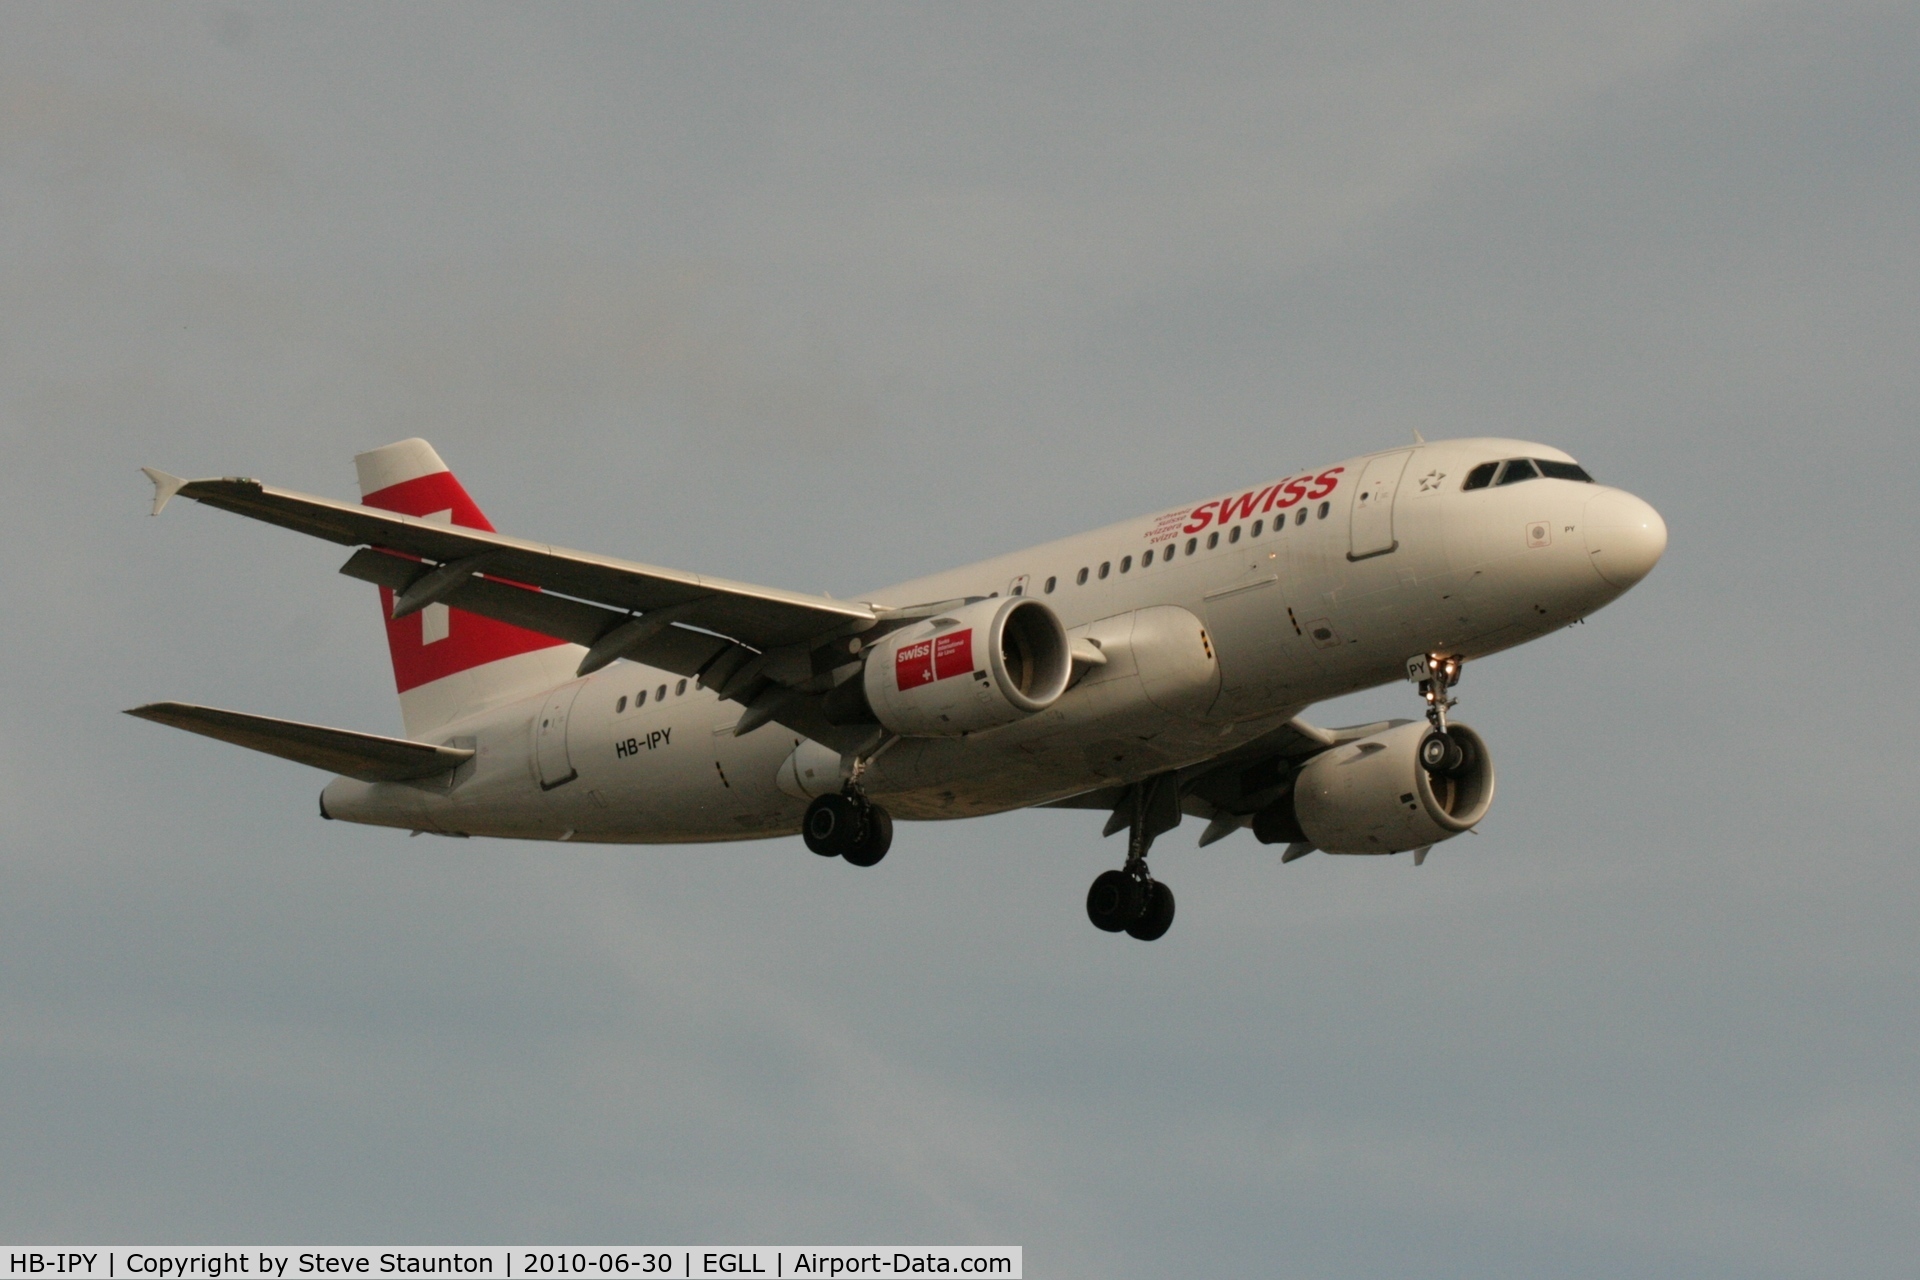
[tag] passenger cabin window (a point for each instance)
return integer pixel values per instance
(1050, 582)
(1104, 566)
(621, 705)
(1481, 476)
(1235, 535)
(639, 699)
(1126, 563)
(1562, 470)
(1257, 526)
(1192, 543)
(680, 688)
(1516, 470)
(1213, 539)
(1081, 579)
(1324, 508)
(661, 694)
(1300, 516)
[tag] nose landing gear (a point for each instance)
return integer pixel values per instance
(1442, 754)
(1130, 900)
(1436, 673)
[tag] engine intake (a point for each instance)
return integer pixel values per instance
(1394, 791)
(983, 665)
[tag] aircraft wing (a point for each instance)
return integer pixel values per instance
(1233, 785)
(1288, 746)
(366, 756)
(615, 607)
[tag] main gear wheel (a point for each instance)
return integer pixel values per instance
(848, 825)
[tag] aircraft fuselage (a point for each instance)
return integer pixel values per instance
(1217, 623)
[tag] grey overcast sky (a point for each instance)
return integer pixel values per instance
(826, 296)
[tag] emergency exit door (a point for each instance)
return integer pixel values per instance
(550, 738)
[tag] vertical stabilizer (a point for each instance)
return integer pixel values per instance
(447, 663)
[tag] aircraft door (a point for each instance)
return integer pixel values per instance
(550, 737)
(1370, 528)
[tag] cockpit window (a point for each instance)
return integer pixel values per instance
(1514, 470)
(1562, 470)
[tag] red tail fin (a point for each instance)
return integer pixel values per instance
(437, 642)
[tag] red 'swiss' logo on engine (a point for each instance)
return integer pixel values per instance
(953, 655)
(939, 658)
(913, 665)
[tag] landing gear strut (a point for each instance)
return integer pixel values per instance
(1130, 900)
(1436, 673)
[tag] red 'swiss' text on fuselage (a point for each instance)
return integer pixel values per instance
(1276, 497)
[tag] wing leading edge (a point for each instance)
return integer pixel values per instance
(764, 617)
(759, 646)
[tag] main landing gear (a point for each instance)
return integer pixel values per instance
(1130, 900)
(848, 825)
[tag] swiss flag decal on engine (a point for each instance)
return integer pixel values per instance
(913, 665)
(925, 661)
(953, 655)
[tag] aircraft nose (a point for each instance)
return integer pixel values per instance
(1625, 536)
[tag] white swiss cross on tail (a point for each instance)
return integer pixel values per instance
(448, 663)
(436, 620)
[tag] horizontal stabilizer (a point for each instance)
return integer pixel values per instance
(365, 756)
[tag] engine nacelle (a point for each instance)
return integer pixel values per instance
(1375, 796)
(983, 665)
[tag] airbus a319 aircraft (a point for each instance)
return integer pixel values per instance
(1148, 670)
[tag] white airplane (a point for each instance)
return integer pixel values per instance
(1150, 669)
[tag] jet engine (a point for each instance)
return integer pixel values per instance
(1403, 788)
(979, 666)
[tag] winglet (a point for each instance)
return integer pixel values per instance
(164, 487)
